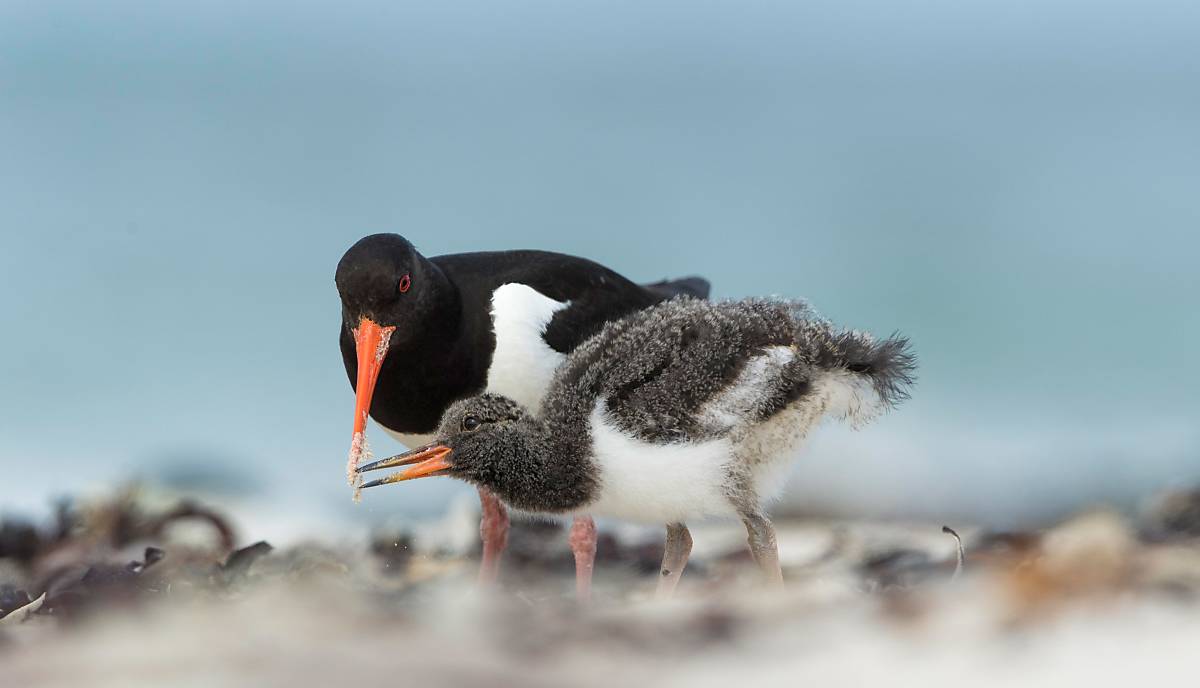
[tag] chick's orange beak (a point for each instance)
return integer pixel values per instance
(427, 461)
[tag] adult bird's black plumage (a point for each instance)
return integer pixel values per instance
(442, 346)
(419, 333)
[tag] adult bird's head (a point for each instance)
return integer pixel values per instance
(388, 290)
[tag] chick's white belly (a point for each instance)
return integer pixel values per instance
(658, 483)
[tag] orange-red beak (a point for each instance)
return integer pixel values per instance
(426, 461)
(371, 344)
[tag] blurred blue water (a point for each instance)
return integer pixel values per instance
(1016, 188)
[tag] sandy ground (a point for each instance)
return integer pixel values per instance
(1100, 599)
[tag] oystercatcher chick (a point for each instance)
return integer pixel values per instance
(688, 409)
(420, 333)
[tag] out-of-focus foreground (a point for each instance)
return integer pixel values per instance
(142, 589)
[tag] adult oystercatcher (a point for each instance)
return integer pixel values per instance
(419, 333)
(684, 410)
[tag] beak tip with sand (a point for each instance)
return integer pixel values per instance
(371, 342)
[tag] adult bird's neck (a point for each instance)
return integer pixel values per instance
(438, 315)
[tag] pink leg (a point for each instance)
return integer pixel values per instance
(583, 546)
(493, 530)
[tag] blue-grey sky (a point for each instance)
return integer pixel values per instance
(1015, 186)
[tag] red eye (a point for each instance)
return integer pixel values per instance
(405, 283)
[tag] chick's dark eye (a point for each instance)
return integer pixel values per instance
(405, 283)
(470, 423)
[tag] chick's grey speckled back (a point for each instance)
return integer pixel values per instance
(657, 370)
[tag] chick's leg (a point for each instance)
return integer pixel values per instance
(675, 556)
(761, 536)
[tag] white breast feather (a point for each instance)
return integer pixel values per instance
(410, 441)
(657, 483)
(522, 364)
